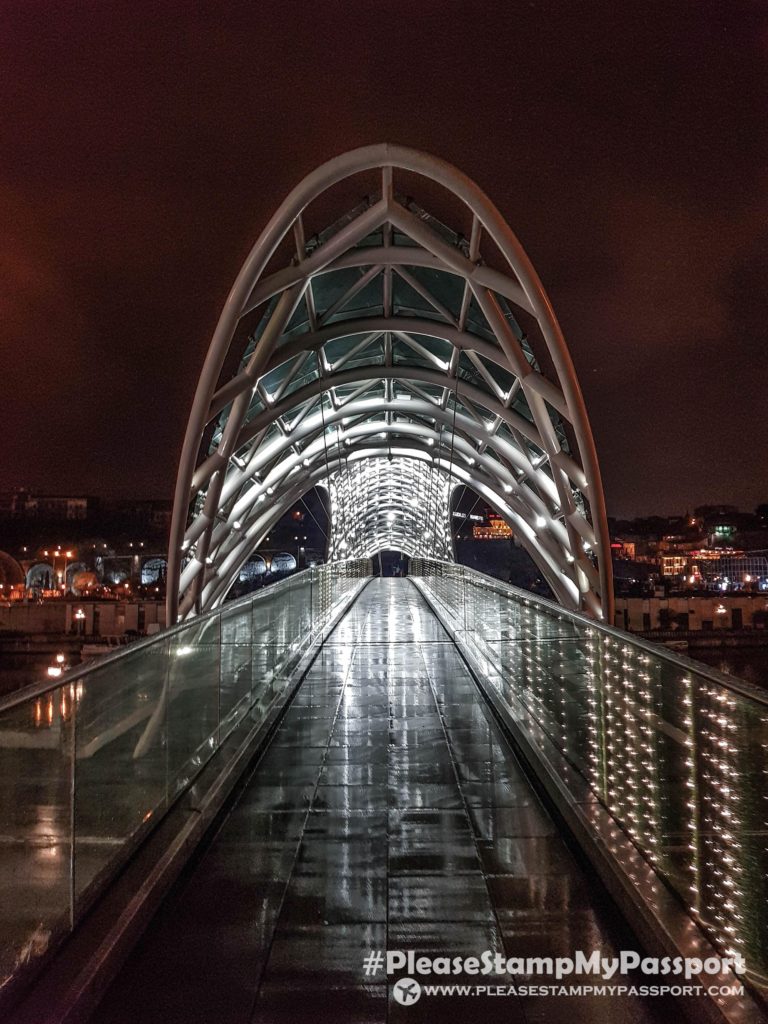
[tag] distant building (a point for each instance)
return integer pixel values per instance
(718, 569)
(497, 529)
(624, 549)
(24, 504)
(675, 565)
(55, 506)
(682, 613)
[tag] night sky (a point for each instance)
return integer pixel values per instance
(143, 147)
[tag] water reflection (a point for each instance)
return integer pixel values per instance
(52, 706)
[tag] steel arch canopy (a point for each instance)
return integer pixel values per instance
(388, 358)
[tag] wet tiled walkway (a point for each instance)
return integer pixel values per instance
(388, 812)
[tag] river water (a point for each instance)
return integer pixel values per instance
(17, 670)
(750, 663)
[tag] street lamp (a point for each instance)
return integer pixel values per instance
(67, 561)
(66, 555)
(299, 549)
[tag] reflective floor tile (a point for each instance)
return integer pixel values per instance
(417, 795)
(502, 822)
(429, 824)
(352, 825)
(439, 898)
(416, 857)
(445, 938)
(525, 855)
(337, 898)
(326, 857)
(350, 798)
(322, 1005)
(345, 774)
(326, 956)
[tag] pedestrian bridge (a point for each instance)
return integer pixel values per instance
(229, 821)
(439, 763)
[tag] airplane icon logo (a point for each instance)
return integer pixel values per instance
(406, 991)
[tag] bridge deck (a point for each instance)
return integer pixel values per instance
(388, 812)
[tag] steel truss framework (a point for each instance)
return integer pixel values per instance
(388, 337)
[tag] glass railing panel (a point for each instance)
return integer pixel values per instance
(676, 753)
(120, 769)
(301, 609)
(192, 699)
(36, 764)
(321, 589)
(711, 787)
(88, 766)
(236, 666)
(265, 649)
(281, 635)
(290, 632)
(551, 680)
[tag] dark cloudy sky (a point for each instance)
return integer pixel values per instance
(144, 145)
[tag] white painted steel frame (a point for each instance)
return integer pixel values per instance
(312, 425)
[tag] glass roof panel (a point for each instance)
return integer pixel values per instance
(447, 288)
